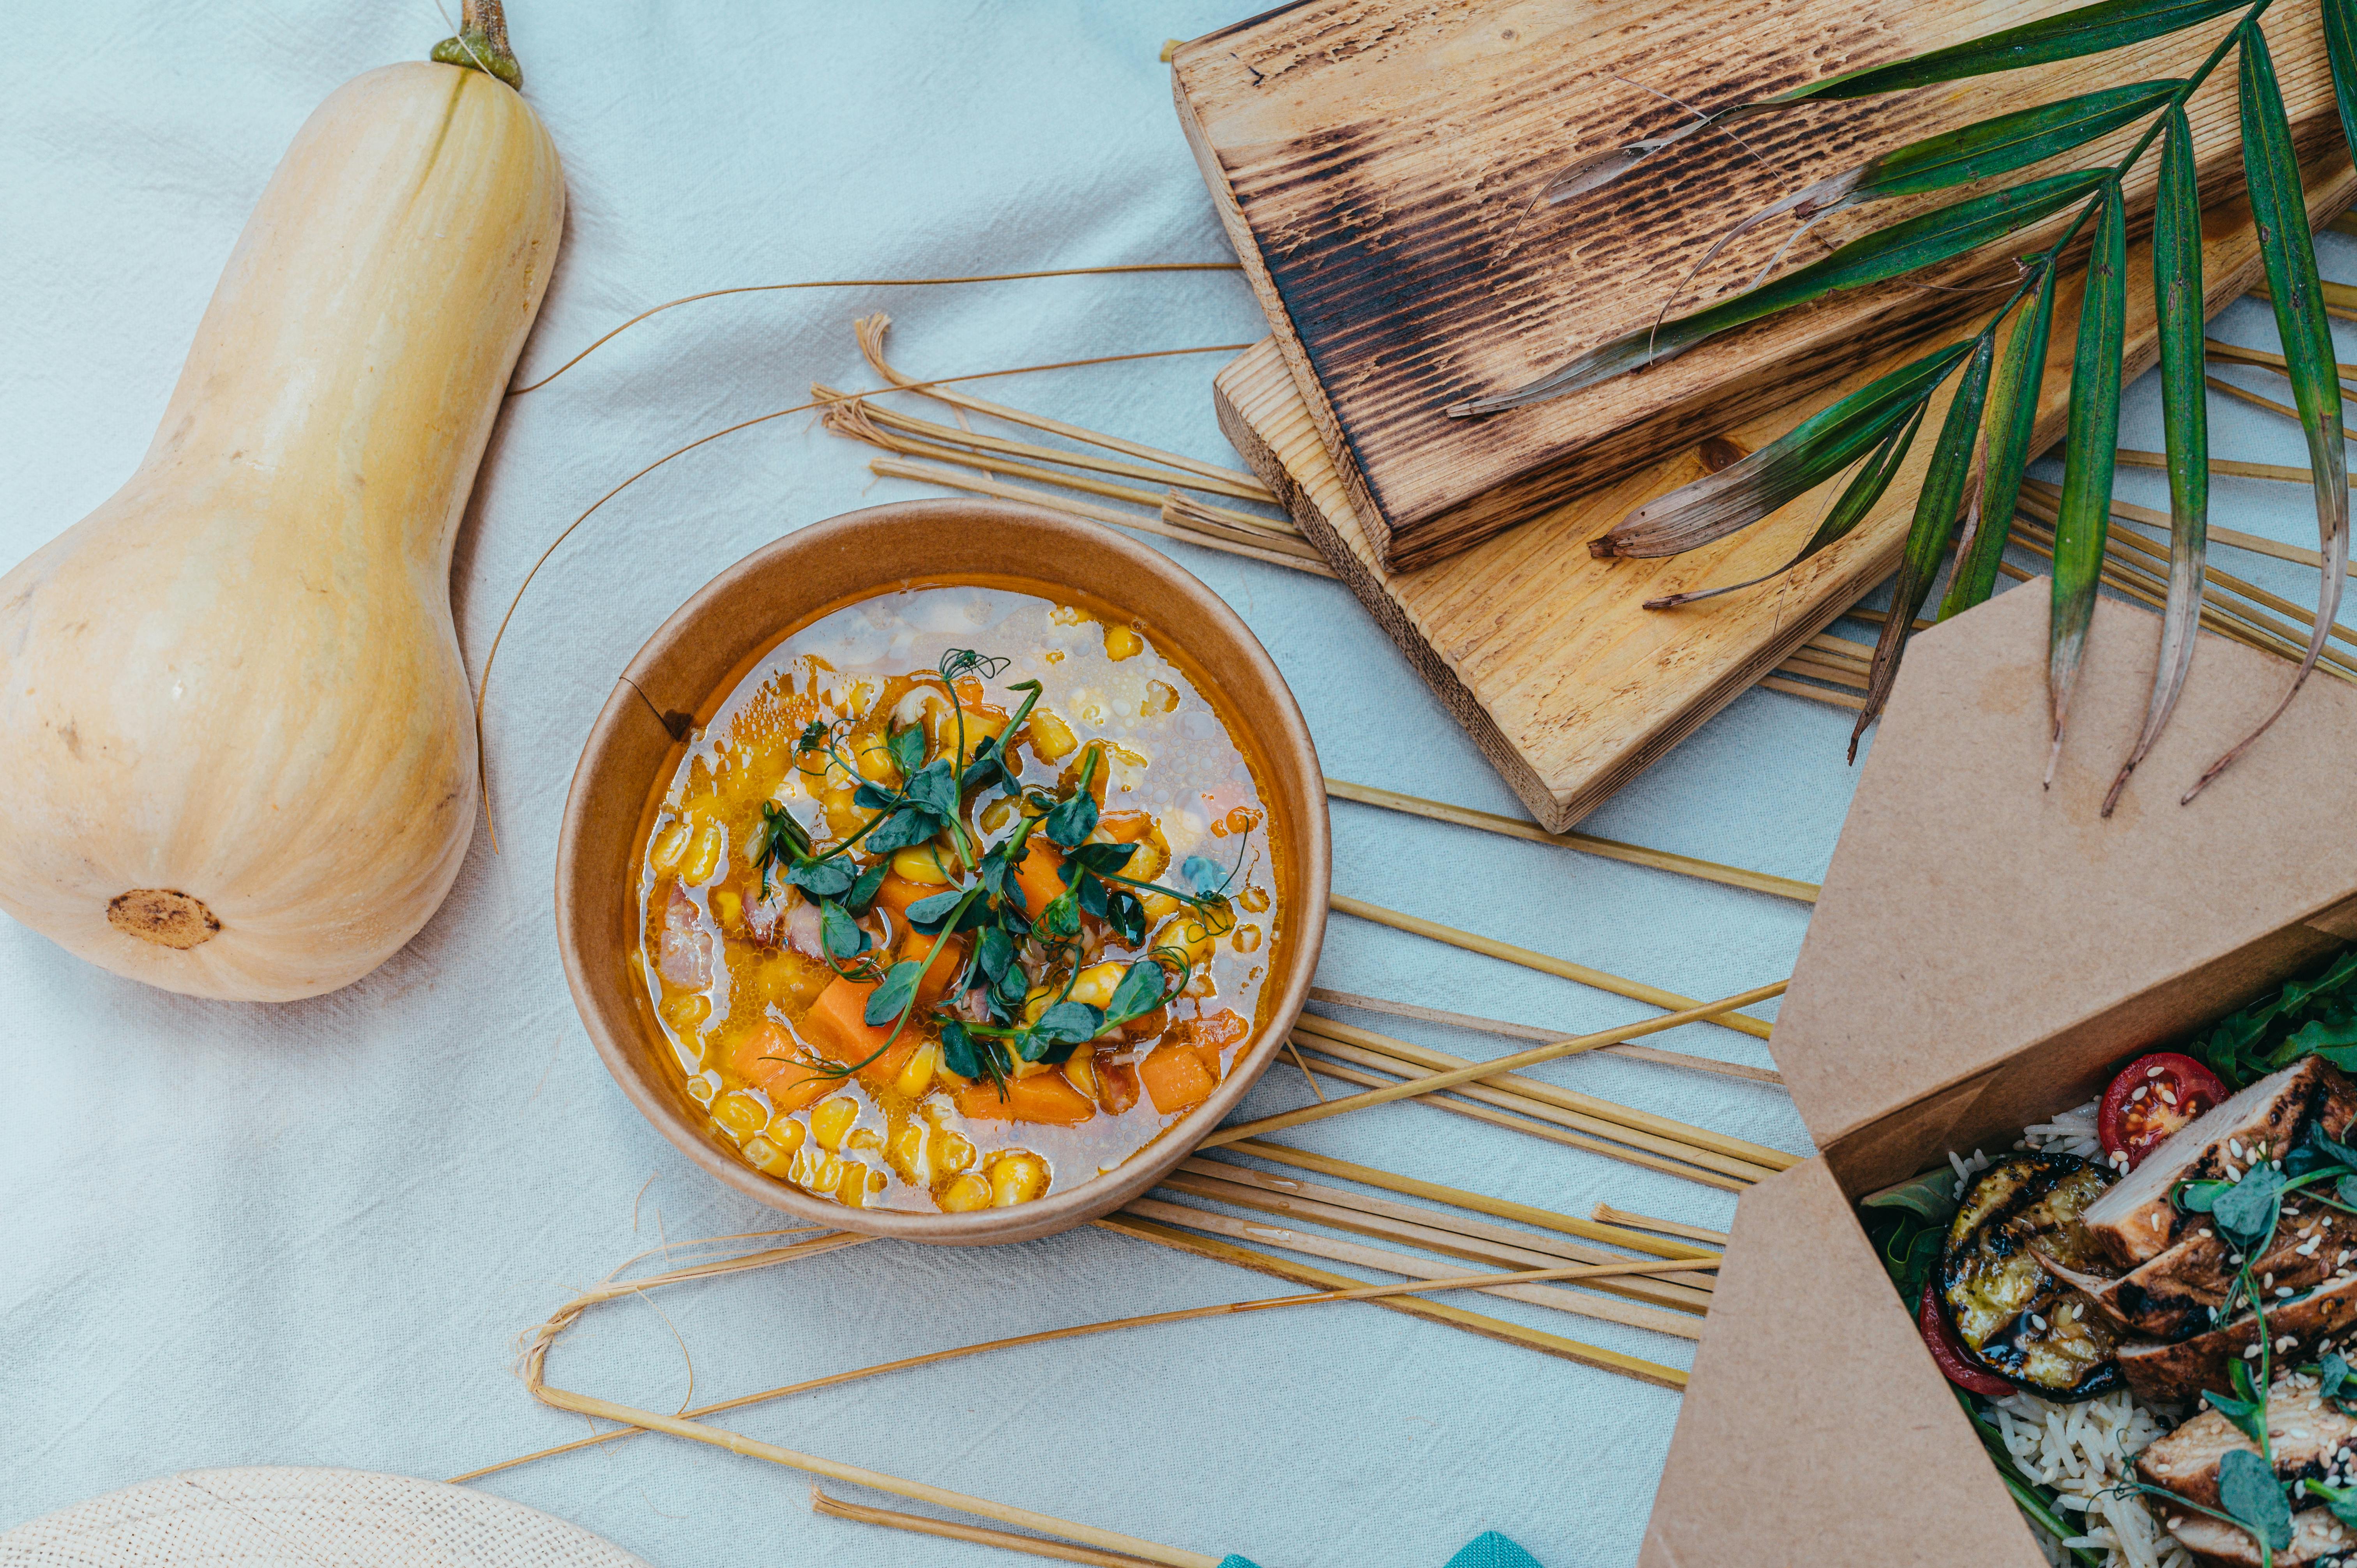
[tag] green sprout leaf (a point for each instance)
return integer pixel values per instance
(895, 996)
(907, 749)
(863, 892)
(2248, 1490)
(839, 933)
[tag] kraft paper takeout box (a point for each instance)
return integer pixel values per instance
(1986, 952)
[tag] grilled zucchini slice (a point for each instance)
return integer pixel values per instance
(2013, 1318)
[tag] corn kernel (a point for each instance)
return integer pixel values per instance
(1069, 614)
(767, 1158)
(703, 1086)
(843, 817)
(875, 764)
(830, 1174)
(864, 1138)
(670, 844)
(1200, 936)
(1097, 983)
(999, 813)
(1016, 1178)
(1081, 1068)
(832, 1119)
(687, 1013)
(742, 1113)
(803, 1169)
(917, 1076)
(786, 1132)
(851, 1186)
(908, 1152)
(726, 908)
(965, 1194)
(1247, 939)
(1051, 737)
(703, 855)
(1122, 642)
(1159, 906)
(920, 863)
(1036, 1003)
(952, 1151)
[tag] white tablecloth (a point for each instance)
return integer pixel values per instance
(309, 1234)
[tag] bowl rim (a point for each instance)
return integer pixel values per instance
(603, 1002)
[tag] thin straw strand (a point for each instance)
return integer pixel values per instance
(1467, 1021)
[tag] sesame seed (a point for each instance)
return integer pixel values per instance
(2152, 1072)
(2282, 1291)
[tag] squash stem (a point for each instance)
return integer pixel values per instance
(482, 43)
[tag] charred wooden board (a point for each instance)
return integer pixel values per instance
(1375, 162)
(1545, 654)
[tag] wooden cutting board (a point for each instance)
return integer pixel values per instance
(1543, 652)
(1376, 162)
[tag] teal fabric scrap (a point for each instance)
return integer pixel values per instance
(1487, 1550)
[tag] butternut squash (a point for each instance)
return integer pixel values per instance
(238, 755)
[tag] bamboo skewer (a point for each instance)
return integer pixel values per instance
(893, 419)
(1602, 1309)
(2297, 621)
(1489, 946)
(1533, 1128)
(2340, 299)
(1227, 1172)
(1477, 1203)
(2128, 512)
(2130, 457)
(1351, 999)
(1509, 1063)
(2240, 396)
(1796, 689)
(1394, 1299)
(1700, 1138)
(1586, 843)
(896, 469)
(2236, 354)
(947, 1530)
(1606, 1212)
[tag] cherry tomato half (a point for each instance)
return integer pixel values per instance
(2153, 1097)
(1949, 1351)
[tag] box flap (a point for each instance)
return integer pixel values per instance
(1815, 1430)
(1970, 914)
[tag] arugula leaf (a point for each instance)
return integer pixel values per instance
(2248, 1045)
(838, 934)
(863, 892)
(891, 998)
(2248, 1488)
(907, 749)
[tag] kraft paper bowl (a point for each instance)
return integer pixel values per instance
(679, 677)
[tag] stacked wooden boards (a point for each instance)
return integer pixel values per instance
(1376, 162)
(1544, 652)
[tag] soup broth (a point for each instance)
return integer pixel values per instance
(962, 896)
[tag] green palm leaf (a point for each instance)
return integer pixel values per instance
(1793, 465)
(1934, 526)
(1849, 509)
(2271, 173)
(2185, 418)
(2089, 450)
(1936, 236)
(2012, 416)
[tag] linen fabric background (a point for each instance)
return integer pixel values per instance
(310, 1234)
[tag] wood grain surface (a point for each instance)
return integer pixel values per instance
(1544, 652)
(1375, 162)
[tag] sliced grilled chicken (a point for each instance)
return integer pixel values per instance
(2316, 1539)
(2172, 1296)
(2173, 1374)
(2136, 1222)
(2310, 1438)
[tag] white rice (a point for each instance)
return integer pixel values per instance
(2083, 1450)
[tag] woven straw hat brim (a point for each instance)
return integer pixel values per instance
(275, 1517)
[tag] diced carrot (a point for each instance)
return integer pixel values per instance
(1175, 1079)
(897, 894)
(887, 1067)
(1126, 827)
(765, 1058)
(1042, 1097)
(836, 1022)
(1037, 876)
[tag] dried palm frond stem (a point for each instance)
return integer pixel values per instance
(1606, 1212)
(2257, 399)
(949, 1529)
(1351, 999)
(867, 282)
(1396, 1298)
(1546, 964)
(1976, 466)
(1586, 843)
(2236, 354)
(1329, 1032)
(1534, 1127)
(1603, 1309)
(1551, 1240)
(2340, 299)
(1450, 1080)
(1477, 1203)
(2256, 543)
